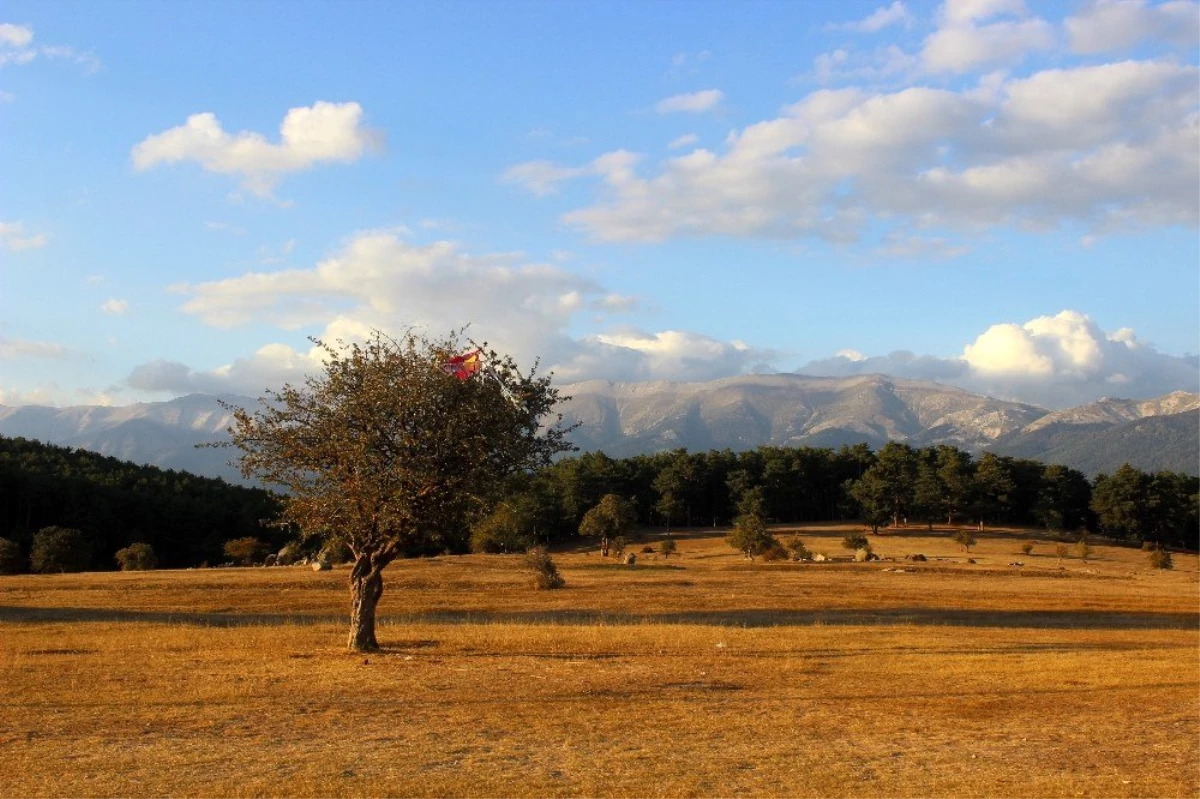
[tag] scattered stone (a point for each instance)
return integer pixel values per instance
(630, 559)
(1016, 563)
(819, 558)
(917, 558)
(971, 560)
(321, 566)
(270, 560)
(862, 555)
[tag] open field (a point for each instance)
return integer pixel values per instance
(699, 675)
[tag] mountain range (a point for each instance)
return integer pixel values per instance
(738, 413)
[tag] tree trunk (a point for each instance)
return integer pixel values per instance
(366, 587)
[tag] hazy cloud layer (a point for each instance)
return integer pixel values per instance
(14, 239)
(380, 281)
(322, 132)
(17, 48)
(1107, 147)
(1053, 361)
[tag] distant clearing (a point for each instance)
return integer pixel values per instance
(701, 675)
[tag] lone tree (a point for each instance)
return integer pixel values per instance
(751, 537)
(610, 520)
(394, 455)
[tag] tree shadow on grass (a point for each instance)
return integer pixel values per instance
(747, 618)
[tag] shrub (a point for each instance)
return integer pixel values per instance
(965, 539)
(647, 550)
(59, 549)
(1027, 547)
(1149, 546)
(617, 546)
(775, 551)
(667, 547)
(1062, 551)
(1083, 548)
(796, 548)
(11, 561)
(1161, 559)
(542, 569)
(856, 542)
(246, 551)
(136, 558)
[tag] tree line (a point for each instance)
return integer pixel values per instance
(898, 484)
(187, 520)
(112, 504)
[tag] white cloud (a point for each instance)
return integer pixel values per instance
(692, 102)
(379, 281)
(961, 43)
(323, 132)
(13, 238)
(1053, 361)
(15, 35)
(685, 140)
(24, 348)
(1119, 25)
(115, 306)
(895, 14)
(1108, 147)
(16, 47)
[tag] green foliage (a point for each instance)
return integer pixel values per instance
(993, 488)
(1160, 559)
(1082, 548)
(610, 521)
(11, 561)
(114, 503)
(667, 547)
(503, 530)
(856, 541)
(541, 567)
(750, 537)
(1061, 550)
(137, 557)
(1027, 547)
(796, 548)
(247, 551)
(59, 549)
(965, 539)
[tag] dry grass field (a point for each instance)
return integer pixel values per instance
(702, 675)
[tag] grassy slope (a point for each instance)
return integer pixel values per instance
(710, 677)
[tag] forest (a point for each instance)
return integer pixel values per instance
(187, 520)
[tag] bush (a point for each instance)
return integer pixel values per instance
(667, 547)
(964, 538)
(136, 558)
(1062, 551)
(1161, 559)
(856, 542)
(246, 551)
(544, 572)
(775, 551)
(59, 549)
(1027, 547)
(1083, 549)
(1149, 546)
(11, 561)
(796, 548)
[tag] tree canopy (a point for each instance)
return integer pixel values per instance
(393, 455)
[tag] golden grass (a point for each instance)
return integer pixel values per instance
(712, 677)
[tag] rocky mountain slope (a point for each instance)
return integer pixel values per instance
(738, 412)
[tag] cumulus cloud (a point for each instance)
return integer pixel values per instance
(320, 133)
(380, 281)
(15, 35)
(1120, 25)
(13, 238)
(895, 14)
(691, 102)
(1053, 361)
(686, 140)
(115, 306)
(1105, 147)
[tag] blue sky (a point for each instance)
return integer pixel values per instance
(995, 194)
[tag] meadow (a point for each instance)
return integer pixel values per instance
(696, 675)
